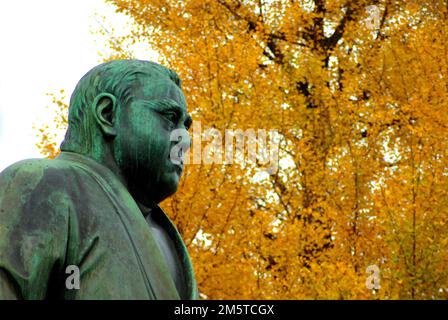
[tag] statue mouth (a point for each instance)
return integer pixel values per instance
(178, 163)
(179, 168)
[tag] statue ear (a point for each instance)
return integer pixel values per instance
(104, 107)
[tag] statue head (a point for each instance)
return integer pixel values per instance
(122, 114)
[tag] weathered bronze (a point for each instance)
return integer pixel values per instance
(87, 224)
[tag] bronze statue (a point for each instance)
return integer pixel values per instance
(92, 213)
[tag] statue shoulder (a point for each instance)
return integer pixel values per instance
(28, 172)
(35, 197)
(34, 177)
(23, 172)
(35, 227)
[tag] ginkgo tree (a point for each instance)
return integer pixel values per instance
(357, 91)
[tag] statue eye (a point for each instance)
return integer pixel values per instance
(171, 116)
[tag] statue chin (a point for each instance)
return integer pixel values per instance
(165, 191)
(150, 197)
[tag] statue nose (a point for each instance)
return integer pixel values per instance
(180, 143)
(186, 141)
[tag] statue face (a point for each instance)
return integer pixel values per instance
(142, 146)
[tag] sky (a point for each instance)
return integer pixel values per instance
(45, 46)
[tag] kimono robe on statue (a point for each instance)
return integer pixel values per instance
(74, 211)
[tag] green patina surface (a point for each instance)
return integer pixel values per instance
(96, 205)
